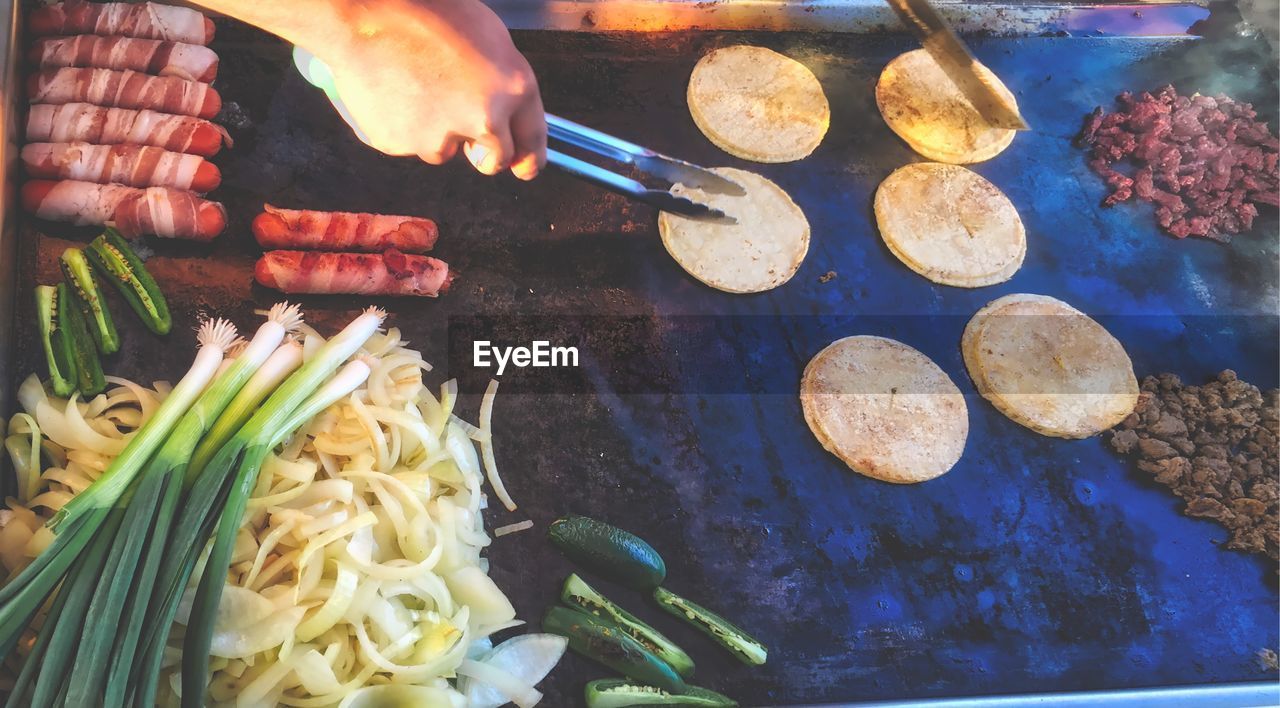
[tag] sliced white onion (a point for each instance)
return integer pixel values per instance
(513, 528)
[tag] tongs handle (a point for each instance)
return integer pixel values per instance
(591, 139)
(596, 174)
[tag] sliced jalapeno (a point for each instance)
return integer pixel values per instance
(616, 554)
(619, 693)
(89, 378)
(731, 637)
(88, 297)
(595, 639)
(116, 262)
(578, 595)
(59, 352)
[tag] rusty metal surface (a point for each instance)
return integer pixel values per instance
(1035, 565)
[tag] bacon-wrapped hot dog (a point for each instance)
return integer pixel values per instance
(389, 273)
(151, 56)
(147, 20)
(132, 165)
(343, 231)
(82, 122)
(124, 89)
(172, 213)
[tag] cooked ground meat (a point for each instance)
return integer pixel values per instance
(1215, 446)
(1206, 162)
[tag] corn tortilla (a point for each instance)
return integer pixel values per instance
(885, 409)
(762, 251)
(922, 105)
(757, 104)
(950, 225)
(1049, 367)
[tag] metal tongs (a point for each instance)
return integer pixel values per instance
(648, 162)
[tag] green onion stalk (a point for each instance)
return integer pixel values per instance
(211, 490)
(283, 362)
(80, 520)
(108, 643)
(204, 609)
(51, 678)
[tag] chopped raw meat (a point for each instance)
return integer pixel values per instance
(1205, 162)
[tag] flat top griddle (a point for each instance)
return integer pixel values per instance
(1034, 565)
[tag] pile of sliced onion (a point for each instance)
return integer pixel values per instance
(357, 578)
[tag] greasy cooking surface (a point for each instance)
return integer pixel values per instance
(1035, 564)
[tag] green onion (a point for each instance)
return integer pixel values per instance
(283, 361)
(213, 489)
(74, 615)
(106, 653)
(77, 523)
(204, 609)
(215, 336)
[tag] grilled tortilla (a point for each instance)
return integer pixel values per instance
(927, 111)
(950, 225)
(885, 409)
(757, 104)
(760, 252)
(1048, 366)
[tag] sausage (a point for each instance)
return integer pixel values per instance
(132, 165)
(388, 273)
(82, 122)
(343, 231)
(124, 89)
(151, 56)
(146, 20)
(171, 213)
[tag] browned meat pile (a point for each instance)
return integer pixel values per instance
(1206, 163)
(1216, 447)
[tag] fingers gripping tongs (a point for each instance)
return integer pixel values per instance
(648, 162)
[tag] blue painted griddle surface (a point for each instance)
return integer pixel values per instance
(1034, 565)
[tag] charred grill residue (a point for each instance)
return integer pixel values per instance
(1215, 446)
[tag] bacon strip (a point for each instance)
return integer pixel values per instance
(172, 213)
(151, 56)
(343, 231)
(82, 122)
(124, 89)
(132, 165)
(389, 273)
(146, 20)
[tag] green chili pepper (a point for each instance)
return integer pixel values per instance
(746, 648)
(116, 262)
(89, 378)
(597, 640)
(88, 296)
(617, 554)
(619, 693)
(578, 595)
(59, 353)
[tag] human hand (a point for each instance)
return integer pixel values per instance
(424, 77)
